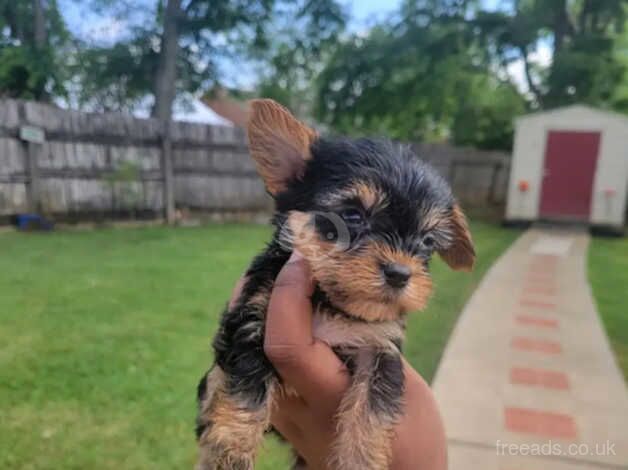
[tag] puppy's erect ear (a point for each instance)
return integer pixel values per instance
(279, 144)
(460, 254)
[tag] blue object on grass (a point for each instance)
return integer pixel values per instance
(32, 222)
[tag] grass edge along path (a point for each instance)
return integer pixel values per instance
(608, 275)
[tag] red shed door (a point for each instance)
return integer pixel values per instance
(570, 162)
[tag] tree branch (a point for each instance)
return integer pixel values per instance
(39, 25)
(531, 85)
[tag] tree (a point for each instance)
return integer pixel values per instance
(581, 36)
(620, 98)
(32, 38)
(300, 39)
(175, 52)
(417, 79)
(166, 75)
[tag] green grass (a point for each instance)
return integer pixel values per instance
(104, 335)
(608, 275)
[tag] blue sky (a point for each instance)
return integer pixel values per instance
(86, 24)
(90, 25)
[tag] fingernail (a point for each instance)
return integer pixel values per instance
(296, 256)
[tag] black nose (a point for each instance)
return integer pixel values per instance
(396, 275)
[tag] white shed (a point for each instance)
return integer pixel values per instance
(570, 164)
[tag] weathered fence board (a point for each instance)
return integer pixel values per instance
(115, 164)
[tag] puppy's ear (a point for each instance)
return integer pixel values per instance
(460, 254)
(279, 144)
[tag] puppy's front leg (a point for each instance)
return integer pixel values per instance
(230, 428)
(369, 412)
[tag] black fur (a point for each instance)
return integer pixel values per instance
(239, 343)
(386, 385)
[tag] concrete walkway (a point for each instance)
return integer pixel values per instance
(528, 380)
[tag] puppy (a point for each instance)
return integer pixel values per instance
(367, 215)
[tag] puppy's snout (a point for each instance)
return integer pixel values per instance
(396, 275)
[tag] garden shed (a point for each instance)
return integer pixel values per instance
(570, 164)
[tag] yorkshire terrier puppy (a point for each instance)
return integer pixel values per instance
(367, 215)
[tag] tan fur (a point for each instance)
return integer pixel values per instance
(279, 143)
(371, 198)
(354, 281)
(363, 440)
(461, 254)
(235, 433)
(335, 330)
(368, 195)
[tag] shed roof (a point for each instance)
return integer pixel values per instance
(577, 109)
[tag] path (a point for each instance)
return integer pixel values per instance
(528, 380)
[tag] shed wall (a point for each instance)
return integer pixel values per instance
(612, 165)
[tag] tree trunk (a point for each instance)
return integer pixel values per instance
(167, 68)
(562, 26)
(39, 29)
(528, 73)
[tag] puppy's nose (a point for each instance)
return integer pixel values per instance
(396, 274)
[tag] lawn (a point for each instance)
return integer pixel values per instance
(608, 275)
(105, 334)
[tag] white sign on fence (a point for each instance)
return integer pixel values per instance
(32, 134)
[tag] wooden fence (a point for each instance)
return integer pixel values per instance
(477, 177)
(78, 165)
(74, 165)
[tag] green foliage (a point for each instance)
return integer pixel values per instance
(421, 78)
(29, 70)
(300, 38)
(124, 182)
(439, 69)
(485, 117)
(24, 72)
(115, 77)
(620, 96)
(584, 66)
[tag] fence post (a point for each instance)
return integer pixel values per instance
(31, 150)
(34, 193)
(492, 191)
(168, 172)
(452, 172)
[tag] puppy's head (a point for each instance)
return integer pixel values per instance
(366, 214)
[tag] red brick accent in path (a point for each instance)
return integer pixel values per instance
(540, 280)
(536, 279)
(544, 260)
(532, 320)
(536, 345)
(541, 271)
(537, 304)
(539, 378)
(541, 423)
(540, 289)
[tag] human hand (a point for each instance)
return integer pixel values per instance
(320, 379)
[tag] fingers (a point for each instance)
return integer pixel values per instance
(289, 319)
(420, 440)
(310, 366)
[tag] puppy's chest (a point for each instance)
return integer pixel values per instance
(342, 332)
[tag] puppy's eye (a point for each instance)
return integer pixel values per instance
(428, 241)
(352, 216)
